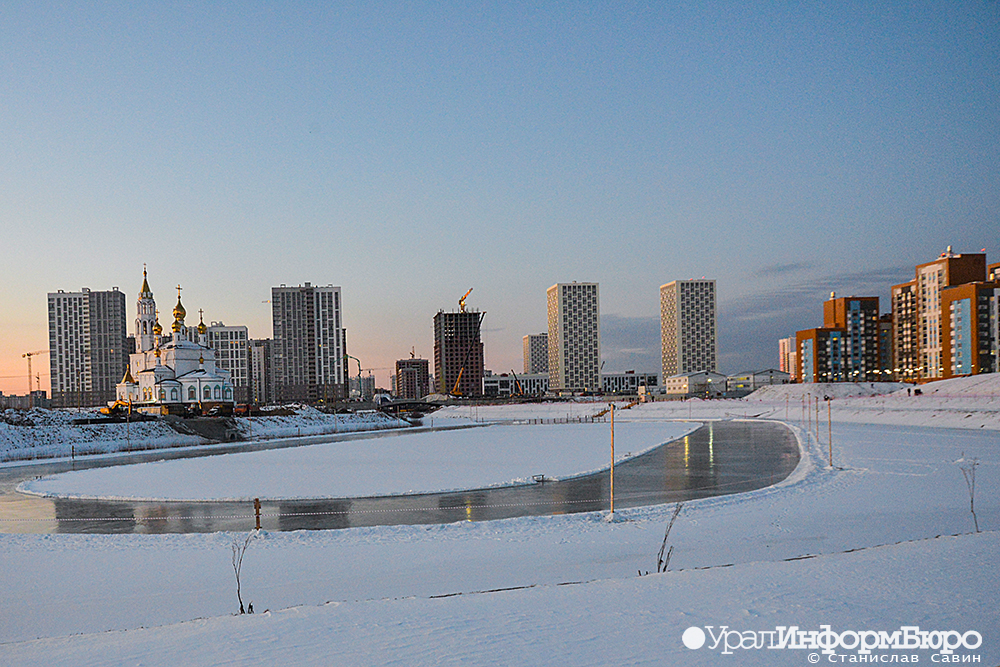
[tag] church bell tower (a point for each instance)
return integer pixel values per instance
(146, 317)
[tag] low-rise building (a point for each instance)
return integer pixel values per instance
(505, 385)
(741, 384)
(704, 384)
(628, 383)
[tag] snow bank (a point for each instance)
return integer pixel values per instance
(307, 420)
(44, 434)
(36, 434)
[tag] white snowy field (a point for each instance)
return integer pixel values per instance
(367, 595)
(410, 462)
(968, 403)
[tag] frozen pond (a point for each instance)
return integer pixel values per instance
(717, 459)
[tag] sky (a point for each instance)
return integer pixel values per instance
(409, 151)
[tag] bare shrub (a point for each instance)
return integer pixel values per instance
(968, 468)
(663, 562)
(240, 550)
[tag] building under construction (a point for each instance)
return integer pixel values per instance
(458, 353)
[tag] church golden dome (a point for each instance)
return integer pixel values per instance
(157, 329)
(202, 329)
(179, 311)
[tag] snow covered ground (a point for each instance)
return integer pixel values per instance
(47, 434)
(969, 403)
(882, 541)
(37, 434)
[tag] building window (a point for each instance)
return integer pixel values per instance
(207, 393)
(192, 394)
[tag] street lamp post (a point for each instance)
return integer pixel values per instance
(612, 458)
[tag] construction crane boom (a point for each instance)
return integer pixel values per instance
(28, 356)
(461, 302)
(517, 384)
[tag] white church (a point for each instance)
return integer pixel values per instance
(174, 374)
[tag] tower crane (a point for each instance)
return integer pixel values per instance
(461, 302)
(28, 356)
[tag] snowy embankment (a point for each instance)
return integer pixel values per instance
(307, 420)
(48, 434)
(412, 462)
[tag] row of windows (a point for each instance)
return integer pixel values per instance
(208, 393)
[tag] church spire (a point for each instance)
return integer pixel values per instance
(145, 292)
(146, 316)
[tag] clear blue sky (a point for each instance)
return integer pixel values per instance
(409, 151)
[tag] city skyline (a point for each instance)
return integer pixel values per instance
(408, 153)
(625, 332)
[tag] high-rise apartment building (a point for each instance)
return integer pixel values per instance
(858, 317)
(232, 353)
(886, 353)
(971, 339)
(821, 355)
(788, 357)
(361, 387)
(458, 352)
(919, 325)
(536, 353)
(688, 326)
(574, 338)
(853, 345)
(905, 350)
(260, 371)
(87, 346)
(412, 378)
(309, 343)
